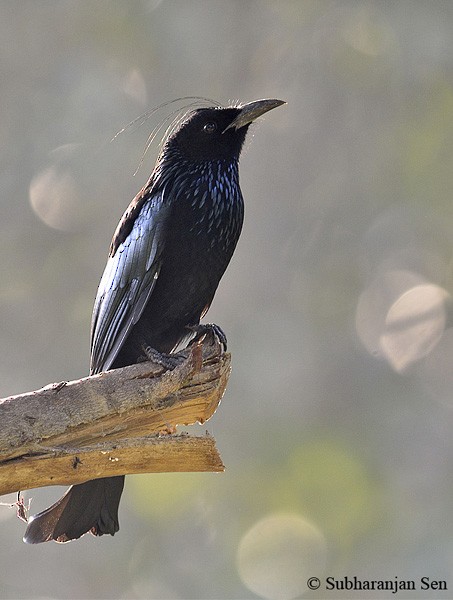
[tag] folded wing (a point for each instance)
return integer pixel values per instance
(128, 280)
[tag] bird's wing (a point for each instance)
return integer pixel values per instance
(128, 280)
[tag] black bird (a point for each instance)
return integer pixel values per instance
(166, 259)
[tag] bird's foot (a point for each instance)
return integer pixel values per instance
(168, 361)
(203, 329)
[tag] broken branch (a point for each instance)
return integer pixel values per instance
(113, 423)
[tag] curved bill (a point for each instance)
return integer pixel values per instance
(251, 111)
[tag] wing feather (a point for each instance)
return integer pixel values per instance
(127, 283)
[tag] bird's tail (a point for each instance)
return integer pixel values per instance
(90, 506)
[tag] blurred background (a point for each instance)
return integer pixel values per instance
(336, 427)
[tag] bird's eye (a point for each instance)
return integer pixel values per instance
(210, 127)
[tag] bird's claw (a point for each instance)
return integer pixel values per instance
(202, 329)
(168, 361)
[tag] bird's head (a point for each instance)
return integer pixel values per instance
(217, 133)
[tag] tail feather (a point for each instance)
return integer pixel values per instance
(90, 506)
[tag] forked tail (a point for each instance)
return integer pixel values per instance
(90, 506)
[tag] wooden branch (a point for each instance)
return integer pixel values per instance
(118, 422)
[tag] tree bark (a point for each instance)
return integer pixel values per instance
(115, 423)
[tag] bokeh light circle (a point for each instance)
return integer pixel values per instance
(401, 317)
(414, 325)
(54, 198)
(278, 554)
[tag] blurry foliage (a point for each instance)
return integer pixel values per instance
(333, 487)
(348, 219)
(165, 496)
(427, 148)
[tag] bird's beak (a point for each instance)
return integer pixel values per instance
(251, 111)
